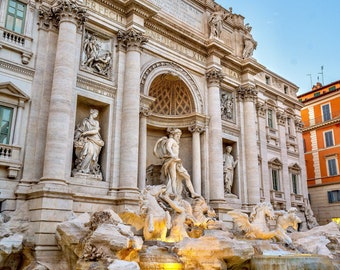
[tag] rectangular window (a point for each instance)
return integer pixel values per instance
(267, 80)
(332, 88)
(15, 19)
(289, 126)
(275, 180)
(329, 138)
(285, 89)
(326, 112)
(270, 119)
(333, 196)
(6, 114)
(332, 167)
(295, 183)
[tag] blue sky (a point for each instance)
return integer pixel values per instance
(295, 37)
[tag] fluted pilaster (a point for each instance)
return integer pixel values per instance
(214, 78)
(248, 95)
(196, 130)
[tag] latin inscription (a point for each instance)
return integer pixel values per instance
(182, 11)
(175, 46)
(104, 11)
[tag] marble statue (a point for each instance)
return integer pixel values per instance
(249, 43)
(255, 226)
(288, 219)
(229, 165)
(96, 59)
(88, 144)
(181, 215)
(227, 106)
(152, 217)
(216, 21)
(167, 149)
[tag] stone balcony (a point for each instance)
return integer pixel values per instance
(277, 199)
(297, 200)
(18, 43)
(10, 159)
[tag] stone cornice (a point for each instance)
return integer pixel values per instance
(184, 121)
(218, 48)
(251, 66)
(299, 124)
(25, 71)
(141, 8)
(96, 87)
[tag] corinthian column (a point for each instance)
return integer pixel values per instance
(214, 78)
(248, 95)
(133, 41)
(196, 156)
(56, 163)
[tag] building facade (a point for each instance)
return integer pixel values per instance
(134, 70)
(321, 118)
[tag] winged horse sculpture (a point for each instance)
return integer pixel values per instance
(255, 226)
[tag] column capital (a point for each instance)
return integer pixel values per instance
(46, 18)
(144, 111)
(261, 109)
(214, 77)
(299, 125)
(247, 93)
(69, 10)
(197, 127)
(281, 118)
(131, 39)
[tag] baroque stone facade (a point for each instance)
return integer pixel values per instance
(144, 67)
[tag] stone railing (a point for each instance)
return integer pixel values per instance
(296, 199)
(16, 42)
(10, 159)
(277, 196)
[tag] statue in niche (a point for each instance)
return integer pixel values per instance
(229, 165)
(249, 43)
(227, 106)
(216, 21)
(96, 59)
(88, 144)
(167, 149)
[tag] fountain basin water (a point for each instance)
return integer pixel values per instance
(291, 262)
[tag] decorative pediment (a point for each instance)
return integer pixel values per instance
(12, 91)
(294, 167)
(275, 162)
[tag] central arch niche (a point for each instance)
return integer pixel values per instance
(172, 96)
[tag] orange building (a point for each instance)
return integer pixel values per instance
(321, 134)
